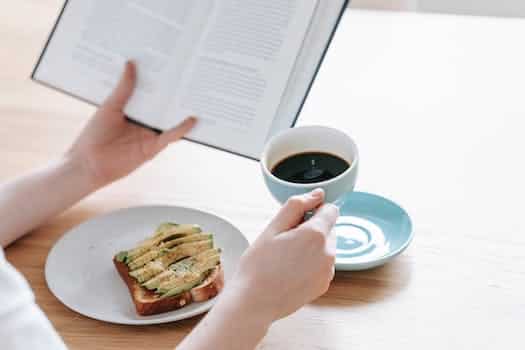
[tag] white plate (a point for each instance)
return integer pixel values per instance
(80, 271)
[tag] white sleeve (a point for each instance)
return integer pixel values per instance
(22, 324)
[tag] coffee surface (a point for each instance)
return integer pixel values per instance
(310, 167)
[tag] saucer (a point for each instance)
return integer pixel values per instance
(371, 231)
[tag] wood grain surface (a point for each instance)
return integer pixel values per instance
(436, 106)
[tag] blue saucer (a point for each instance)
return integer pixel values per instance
(371, 231)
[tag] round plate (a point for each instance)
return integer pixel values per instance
(371, 231)
(80, 271)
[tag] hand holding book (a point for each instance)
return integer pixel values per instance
(110, 147)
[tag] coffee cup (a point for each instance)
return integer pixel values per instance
(331, 147)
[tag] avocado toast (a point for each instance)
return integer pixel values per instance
(176, 266)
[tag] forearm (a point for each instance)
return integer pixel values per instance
(31, 200)
(232, 324)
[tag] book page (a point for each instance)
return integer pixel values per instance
(241, 69)
(94, 38)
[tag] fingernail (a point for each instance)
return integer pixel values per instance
(317, 193)
(192, 120)
(334, 207)
(130, 66)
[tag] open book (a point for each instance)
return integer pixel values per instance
(243, 67)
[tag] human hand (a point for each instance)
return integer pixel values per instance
(110, 147)
(292, 262)
(289, 265)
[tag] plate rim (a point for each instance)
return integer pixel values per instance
(145, 321)
(382, 260)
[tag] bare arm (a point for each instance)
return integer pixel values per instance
(108, 148)
(34, 198)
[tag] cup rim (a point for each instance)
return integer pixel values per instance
(269, 174)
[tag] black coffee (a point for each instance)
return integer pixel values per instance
(310, 167)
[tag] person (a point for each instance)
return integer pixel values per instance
(290, 264)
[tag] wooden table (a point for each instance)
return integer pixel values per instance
(436, 104)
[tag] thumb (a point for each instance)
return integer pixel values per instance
(292, 213)
(124, 89)
(176, 133)
(323, 220)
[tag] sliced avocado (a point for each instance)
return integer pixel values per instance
(181, 277)
(142, 260)
(192, 280)
(184, 250)
(122, 256)
(155, 282)
(187, 239)
(149, 271)
(179, 269)
(172, 232)
(208, 264)
(163, 248)
(174, 277)
(188, 263)
(177, 231)
(163, 228)
(157, 266)
(136, 252)
(195, 280)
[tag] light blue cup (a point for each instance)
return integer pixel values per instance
(310, 139)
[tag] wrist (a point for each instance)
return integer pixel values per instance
(233, 323)
(79, 169)
(239, 299)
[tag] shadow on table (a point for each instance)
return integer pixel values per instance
(365, 287)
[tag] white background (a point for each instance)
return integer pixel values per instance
(510, 8)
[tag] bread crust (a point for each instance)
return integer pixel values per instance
(148, 303)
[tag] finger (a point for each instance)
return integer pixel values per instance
(124, 89)
(325, 274)
(292, 213)
(323, 220)
(176, 133)
(331, 243)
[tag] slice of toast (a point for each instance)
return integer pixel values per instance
(149, 303)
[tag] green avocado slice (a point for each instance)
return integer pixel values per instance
(183, 251)
(181, 279)
(157, 266)
(186, 286)
(151, 270)
(180, 268)
(168, 233)
(164, 227)
(155, 282)
(194, 279)
(187, 239)
(122, 256)
(163, 248)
